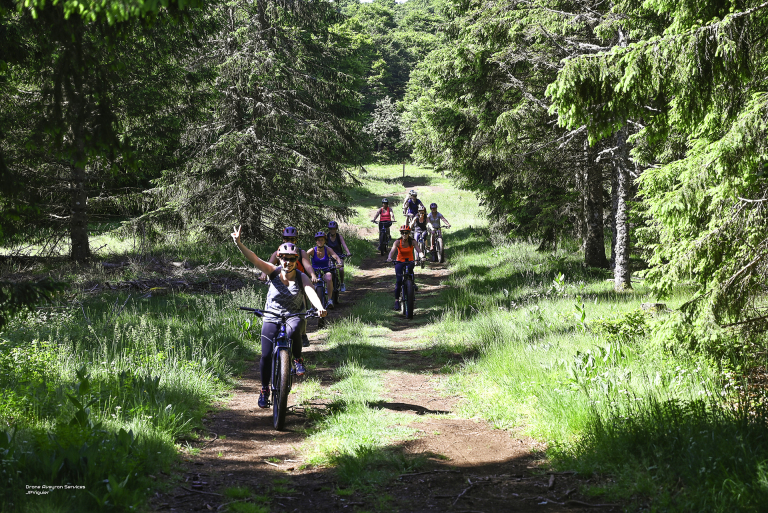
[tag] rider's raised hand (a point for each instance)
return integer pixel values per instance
(236, 233)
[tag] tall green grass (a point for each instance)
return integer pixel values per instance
(539, 341)
(97, 394)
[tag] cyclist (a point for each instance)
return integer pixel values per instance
(291, 235)
(336, 242)
(434, 218)
(321, 257)
(386, 217)
(287, 289)
(411, 205)
(407, 254)
(420, 225)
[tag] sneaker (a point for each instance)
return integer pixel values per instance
(304, 340)
(264, 398)
(342, 288)
(397, 305)
(300, 370)
(329, 305)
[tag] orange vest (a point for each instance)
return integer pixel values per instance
(404, 254)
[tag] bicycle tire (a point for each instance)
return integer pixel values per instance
(410, 298)
(440, 250)
(282, 389)
(320, 290)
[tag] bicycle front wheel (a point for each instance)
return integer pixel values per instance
(282, 388)
(440, 250)
(410, 299)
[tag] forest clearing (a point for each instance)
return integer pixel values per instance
(217, 286)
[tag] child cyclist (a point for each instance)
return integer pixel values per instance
(407, 254)
(321, 258)
(287, 289)
(336, 242)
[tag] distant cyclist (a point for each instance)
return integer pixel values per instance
(336, 242)
(434, 218)
(386, 217)
(287, 289)
(411, 205)
(420, 225)
(321, 258)
(407, 254)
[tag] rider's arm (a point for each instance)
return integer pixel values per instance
(252, 257)
(447, 222)
(335, 256)
(378, 211)
(416, 254)
(344, 245)
(272, 260)
(392, 252)
(307, 263)
(413, 222)
(309, 290)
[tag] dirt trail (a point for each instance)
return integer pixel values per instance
(470, 465)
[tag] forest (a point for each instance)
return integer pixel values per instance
(604, 168)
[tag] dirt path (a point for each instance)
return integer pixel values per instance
(469, 465)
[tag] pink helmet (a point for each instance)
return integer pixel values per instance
(287, 249)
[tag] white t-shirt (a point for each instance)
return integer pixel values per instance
(434, 220)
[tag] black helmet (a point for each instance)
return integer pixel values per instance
(385, 200)
(433, 205)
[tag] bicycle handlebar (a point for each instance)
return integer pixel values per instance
(312, 312)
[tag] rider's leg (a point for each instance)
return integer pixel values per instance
(268, 334)
(329, 284)
(399, 280)
(293, 331)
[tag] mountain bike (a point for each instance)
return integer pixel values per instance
(408, 291)
(384, 237)
(439, 244)
(322, 290)
(422, 244)
(282, 364)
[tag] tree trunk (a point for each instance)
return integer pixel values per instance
(622, 271)
(580, 219)
(614, 206)
(594, 240)
(78, 222)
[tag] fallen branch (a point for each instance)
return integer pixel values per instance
(427, 472)
(198, 491)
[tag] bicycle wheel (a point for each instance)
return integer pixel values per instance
(282, 388)
(320, 290)
(440, 250)
(410, 296)
(336, 284)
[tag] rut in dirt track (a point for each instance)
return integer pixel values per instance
(470, 466)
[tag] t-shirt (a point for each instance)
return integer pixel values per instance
(282, 298)
(434, 220)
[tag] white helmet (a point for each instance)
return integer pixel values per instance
(412, 193)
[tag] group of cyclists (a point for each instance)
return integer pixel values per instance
(405, 250)
(292, 274)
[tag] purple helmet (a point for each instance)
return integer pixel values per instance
(290, 231)
(332, 225)
(320, 234)
(433, 205)
(287, 249)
